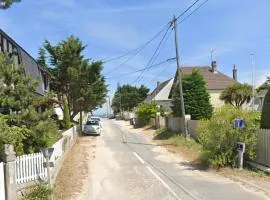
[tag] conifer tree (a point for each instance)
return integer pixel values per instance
(22, 106)
(196, 97)
(265, 120)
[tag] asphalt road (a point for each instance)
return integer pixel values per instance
(128, 167)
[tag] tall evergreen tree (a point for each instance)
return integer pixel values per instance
(265, 119)
(22, 106)
(196, 97)
(76, 77)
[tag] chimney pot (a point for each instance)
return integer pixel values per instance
(214, 66)
(234, 73)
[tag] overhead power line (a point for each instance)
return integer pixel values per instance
(188, 8)
(151, 60)
(155, 55)
(181, 21)
(159, 51)
(140, 47)
(139, 70)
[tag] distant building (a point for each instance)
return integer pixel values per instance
(216, 82)
(258, 101)
(20, 56)
(161, 94)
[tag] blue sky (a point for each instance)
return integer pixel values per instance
(109, 28)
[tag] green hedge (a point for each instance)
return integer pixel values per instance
(218, 137)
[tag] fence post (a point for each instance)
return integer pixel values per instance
(10, 172)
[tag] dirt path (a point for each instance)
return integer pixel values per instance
(75, 169)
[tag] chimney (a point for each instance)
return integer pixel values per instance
(214, 66)
(158, 83)
(234, 73)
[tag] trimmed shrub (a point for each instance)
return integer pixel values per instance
(218, 137)
(145, 112)
(265, 122)
(196, 97)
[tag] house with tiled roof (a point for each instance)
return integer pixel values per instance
(160, 95)
(216, 82)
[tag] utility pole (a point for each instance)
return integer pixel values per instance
(179, 77)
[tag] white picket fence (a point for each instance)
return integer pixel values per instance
(30, 167)
(2, 182)
(58, 150)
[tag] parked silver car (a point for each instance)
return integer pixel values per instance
(92, 127)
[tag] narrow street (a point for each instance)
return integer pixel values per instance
(126, 167)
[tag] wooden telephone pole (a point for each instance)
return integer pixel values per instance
(179, 78)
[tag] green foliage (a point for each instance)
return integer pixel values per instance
(128, 97)
(76, 77)
(265, 85)
(265, 122)
(66, 119)
(41, 60)
(43, 134)
(21, 104)
(12, 135)
(145, 112)
(218, 137)
(4, 4)
(38, 192)
(196, 97)
(237, 94)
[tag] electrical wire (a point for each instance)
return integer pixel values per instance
(193, 11)
(188, 8)
(153, 57)
(163, 45)
(140, 47)
(133, 72)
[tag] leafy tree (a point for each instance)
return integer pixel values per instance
(196, 97)
(127, 97)
(4, 4)
(237, 94)
(145, 112)
(265, 121)
(22, 106)
(12, 135)
(76, 77)
(218, 136)
(265, 85)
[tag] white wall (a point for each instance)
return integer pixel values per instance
(214, 98)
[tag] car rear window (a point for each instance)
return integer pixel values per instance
(95, 118)
(92, 123)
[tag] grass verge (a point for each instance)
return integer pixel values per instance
(188, 148)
